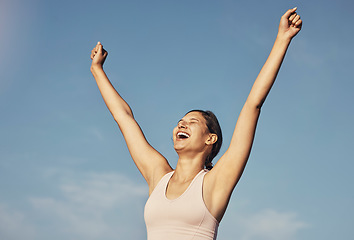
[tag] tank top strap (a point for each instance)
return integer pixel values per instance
(161, 185)
(196, 187)
(198, 179)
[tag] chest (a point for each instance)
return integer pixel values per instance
(175, 189)
(178, 212)
(173, 201)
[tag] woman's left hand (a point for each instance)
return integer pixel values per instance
(290, 24)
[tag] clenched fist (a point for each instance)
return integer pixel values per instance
(98, 55)
(290, 24)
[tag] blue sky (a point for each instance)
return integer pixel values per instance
(65, 172)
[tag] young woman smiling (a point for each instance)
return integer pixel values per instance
(190, 201)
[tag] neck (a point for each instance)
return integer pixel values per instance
(188, 167)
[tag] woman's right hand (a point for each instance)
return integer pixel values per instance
(98, 55)
(152, 165)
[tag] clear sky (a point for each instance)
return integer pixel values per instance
(65, 172)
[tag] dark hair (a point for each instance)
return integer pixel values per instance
(213, 127)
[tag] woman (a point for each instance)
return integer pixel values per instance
(189, 201)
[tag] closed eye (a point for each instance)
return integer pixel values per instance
(194, 120)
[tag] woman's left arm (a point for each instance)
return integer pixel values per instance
(230, 166)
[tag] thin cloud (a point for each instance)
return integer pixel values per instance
(303, 53)
(270, 224)
(96, 133)
(94, 206)
(14, 225)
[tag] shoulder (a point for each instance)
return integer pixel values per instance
(215, 194)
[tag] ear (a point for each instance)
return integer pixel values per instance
(211, 139)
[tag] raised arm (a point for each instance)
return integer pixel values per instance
(150, 163)
(228, 170)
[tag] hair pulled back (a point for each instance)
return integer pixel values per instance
(213, 127)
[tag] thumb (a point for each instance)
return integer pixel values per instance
(99, 48)
(289, 12)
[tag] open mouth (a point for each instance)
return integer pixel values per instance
(182, 135)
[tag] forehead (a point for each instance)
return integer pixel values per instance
(194, 115)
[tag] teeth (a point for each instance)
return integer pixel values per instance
(183, 134)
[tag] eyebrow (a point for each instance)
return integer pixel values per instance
(196, 119)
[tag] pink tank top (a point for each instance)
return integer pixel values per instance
(183, 218)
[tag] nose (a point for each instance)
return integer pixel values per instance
(182, 124)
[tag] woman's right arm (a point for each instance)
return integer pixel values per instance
(150, 162)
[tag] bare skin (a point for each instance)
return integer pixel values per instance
(192, 151)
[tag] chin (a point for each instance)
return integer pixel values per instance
(178, 147)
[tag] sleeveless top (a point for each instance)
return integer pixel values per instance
(183, 218)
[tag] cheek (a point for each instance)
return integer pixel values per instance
(174, 132)
(199, 133)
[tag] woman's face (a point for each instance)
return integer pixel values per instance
(191, 133)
